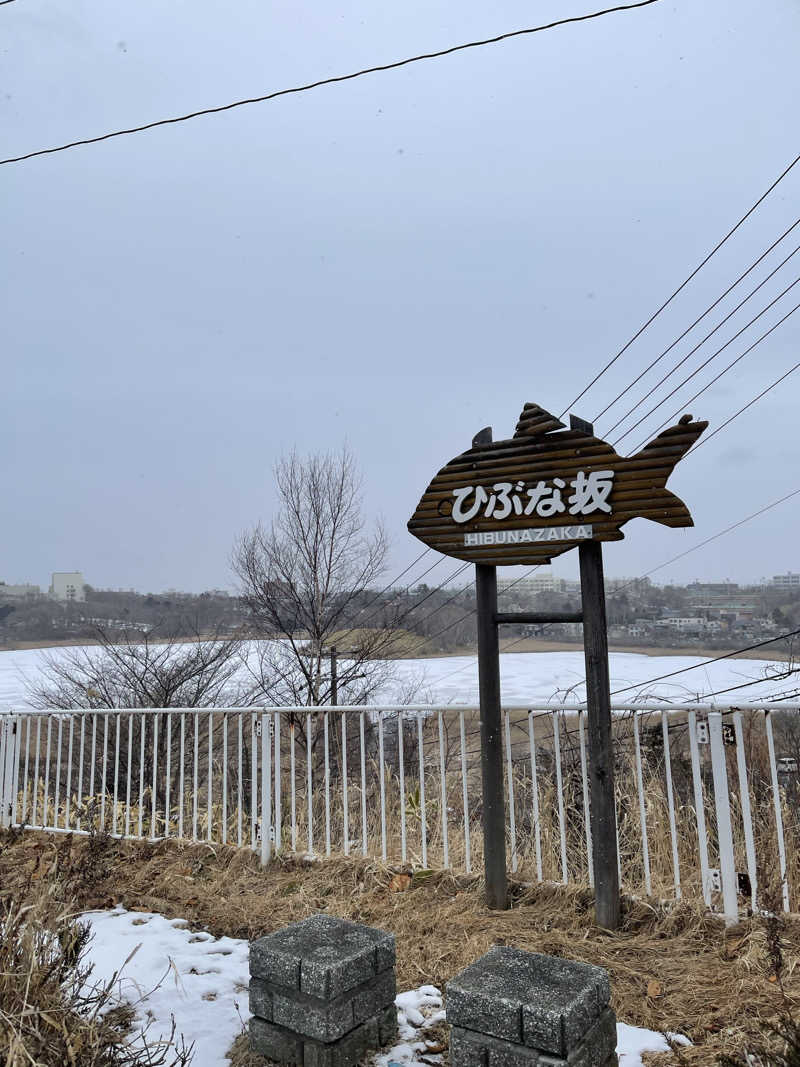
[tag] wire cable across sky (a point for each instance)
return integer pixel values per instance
(379, 68)
(682, 286)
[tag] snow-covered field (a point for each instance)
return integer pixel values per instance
(201, 982)
(526, 677)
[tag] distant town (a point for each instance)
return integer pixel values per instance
(641, 613)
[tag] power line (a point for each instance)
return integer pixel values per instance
(688, 551)
(717, 377)
(682, 286)
(749, 404)
(705, 362)
(403, 592)
(397, 578)
(746, 685)
(706, 662)
(331, 81)
(708, 540)
(463, 618)
(699, 344)
(699, 319)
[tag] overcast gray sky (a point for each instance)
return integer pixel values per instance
(397, 261)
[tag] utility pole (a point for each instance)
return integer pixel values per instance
(334, 677)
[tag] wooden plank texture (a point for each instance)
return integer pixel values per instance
(543, 450)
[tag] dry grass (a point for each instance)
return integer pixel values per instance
(671, 969)
(51, 1012)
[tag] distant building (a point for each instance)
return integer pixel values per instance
(542, 583)
(67, 585)
(19, 592)
(785, 581)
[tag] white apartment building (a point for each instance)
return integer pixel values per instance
(67, 585)
(786, 581)
(19, 592)
(546, 583)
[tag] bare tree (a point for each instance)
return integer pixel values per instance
(135, 670)
(161, 669)
(304, 580)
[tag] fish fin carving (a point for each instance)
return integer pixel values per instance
(535, 421)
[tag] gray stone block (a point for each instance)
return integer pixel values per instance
(319, 1019)
(279, 1044)
(544, 1002)
(599, 1043)
(324, 1020)
(470, 1049)
(322, 956)
(374, 997)
(260, 999)
(343, 1053)
(387, 1025)
(274, 1043)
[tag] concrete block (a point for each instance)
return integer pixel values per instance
(274, 1043)
(598, 1045)
(470, 1049)
(318, 1019)
(323, 1020)
(322, 956)
(281, 1045)
(544, 1002)
(343, 1053)
(387, 1025)
(260, 999)
(374, 997)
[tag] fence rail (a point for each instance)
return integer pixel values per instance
(706, 809)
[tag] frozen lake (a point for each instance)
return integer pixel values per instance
(526, 677)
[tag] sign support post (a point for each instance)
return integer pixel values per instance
(525, 500)
(494, 808)
(601, 749)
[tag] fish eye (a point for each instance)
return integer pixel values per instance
(445, 508)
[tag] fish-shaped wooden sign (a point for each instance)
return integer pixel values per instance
(543, 491)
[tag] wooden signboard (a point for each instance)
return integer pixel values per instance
(525, 500)
(540, 493)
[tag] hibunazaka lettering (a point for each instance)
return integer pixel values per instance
(589, 492)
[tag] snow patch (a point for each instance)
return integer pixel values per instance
(201, 982)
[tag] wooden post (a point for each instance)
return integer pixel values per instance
(601, 750)
(334, 678)
(494, 813)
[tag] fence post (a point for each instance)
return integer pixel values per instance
(719, 770)
(9, 759)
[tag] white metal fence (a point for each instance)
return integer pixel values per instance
(706, 810)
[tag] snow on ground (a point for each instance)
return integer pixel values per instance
(526, 677)
(201, 982)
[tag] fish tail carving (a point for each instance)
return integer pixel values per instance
(672, 444)
(663, 453)
(674, 513)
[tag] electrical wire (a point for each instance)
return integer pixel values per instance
(706, 361)
(717, 377)
(699, 344)
(698, 320)
(330, 81)
(708, 540)
(683, 285)
(749, 404)
(706, 662)
(746, 685)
